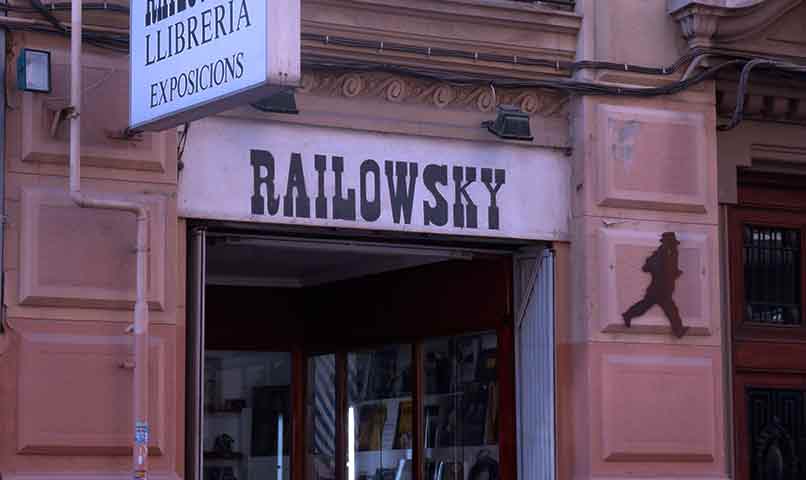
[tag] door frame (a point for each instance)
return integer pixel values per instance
(198, 236)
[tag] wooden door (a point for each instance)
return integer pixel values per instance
(767, 252)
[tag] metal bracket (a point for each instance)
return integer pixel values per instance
(127, 134)
(61, 115)
(127, 365)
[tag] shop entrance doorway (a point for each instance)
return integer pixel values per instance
(323, 359)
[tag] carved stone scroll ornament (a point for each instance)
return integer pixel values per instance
(401, 89)
(663, 265)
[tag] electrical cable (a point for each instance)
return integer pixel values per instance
(120, 43)
(570, 86)
(180, 147)
(116, 43)
(744, 78)
(65, 6)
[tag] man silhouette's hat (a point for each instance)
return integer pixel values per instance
(669, 237)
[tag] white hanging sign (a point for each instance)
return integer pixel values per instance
(193, 58)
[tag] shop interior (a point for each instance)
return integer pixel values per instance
(329, 360)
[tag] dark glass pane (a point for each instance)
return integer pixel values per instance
(777, 427)
(461, 407)
(380, 418)
(247, 415)
(772, 275)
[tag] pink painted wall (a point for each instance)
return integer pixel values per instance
(645, 402)
(65, 401)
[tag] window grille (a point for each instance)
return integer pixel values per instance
(772, 275)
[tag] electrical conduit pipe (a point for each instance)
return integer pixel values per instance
(140, 330)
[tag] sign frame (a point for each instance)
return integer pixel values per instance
(282, 52)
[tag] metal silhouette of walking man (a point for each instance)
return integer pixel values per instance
(664, 268)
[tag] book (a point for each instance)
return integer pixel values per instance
(491, 423)
(371, 419)
(405, 422)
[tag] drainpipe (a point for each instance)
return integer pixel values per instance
(2, 179)
(140, 327)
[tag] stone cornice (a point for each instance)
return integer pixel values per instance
(401, 89)
(727, 23)
(490, 26)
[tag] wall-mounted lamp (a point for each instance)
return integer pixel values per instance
(281, 102)
(511, 123)
(33, 70)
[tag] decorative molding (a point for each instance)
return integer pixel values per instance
(776, 105)
(632, 430)
(89, 369)
(109, 232)
(401, 89)
(715, 23)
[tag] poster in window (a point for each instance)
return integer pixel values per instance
(371, 419)
(405, 421)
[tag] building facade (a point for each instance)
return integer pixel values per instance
(372, 283)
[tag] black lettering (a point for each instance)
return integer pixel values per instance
(239, 64)
(153, 95)
(231, 16)
(401, 197)
(174, 84)
(296, 181)
(163, 93)
(181, 5)
(183, 91)
(219, 20)
(464, 215)
(243, 15)
(230, 67)
(179, 35)
(320, 164)
(160, 55)
(193, 22)
(261, 159)
(192, 75)
(436, 214)
(163, 10)
(493, 217)
(370, 210)
(170, 39)
(151, 11)
(216, 70)
(343, 208)
(149, 60)
(201, 74)
(207, 24)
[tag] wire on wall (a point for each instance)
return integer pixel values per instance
(119, 42)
